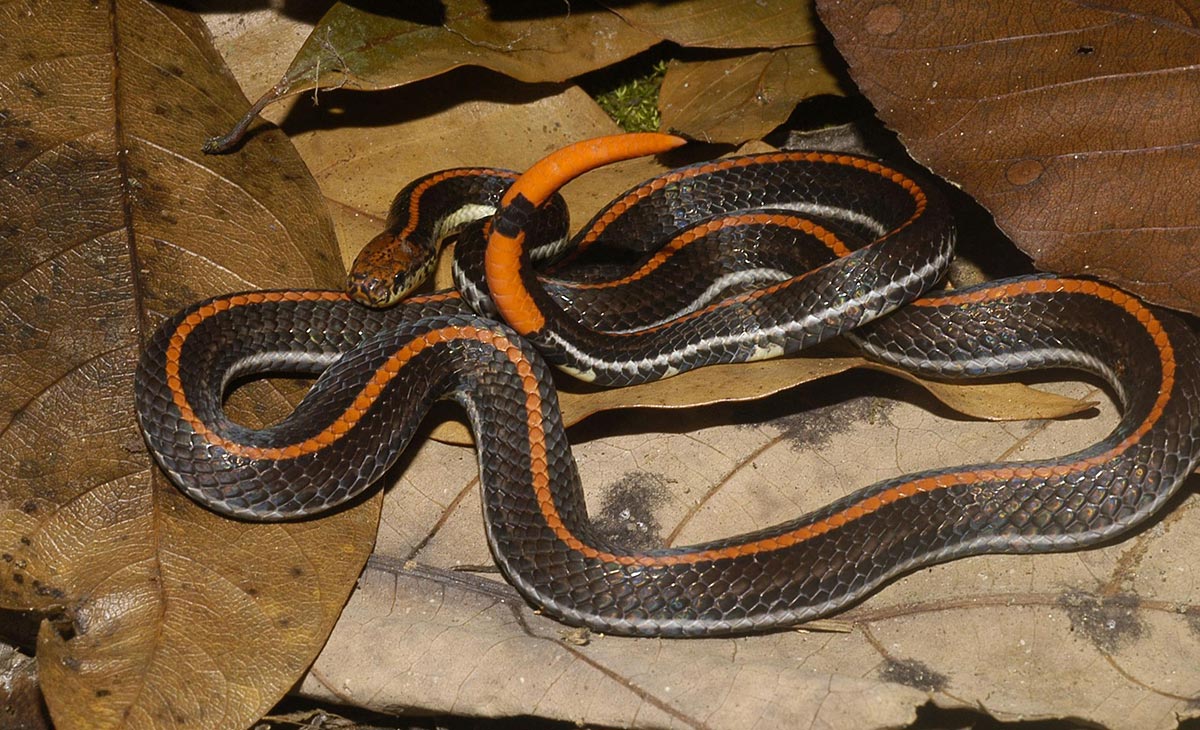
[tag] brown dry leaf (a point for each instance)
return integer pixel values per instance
(162, 613)
(735, 98)
(743, 97)
(528, 663)
(724, 23)
(1074, 124)
(1107, 636)
(356, 49)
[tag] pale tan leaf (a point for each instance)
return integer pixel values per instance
(406, 614)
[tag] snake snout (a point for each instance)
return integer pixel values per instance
(368, 289)
(387, 269)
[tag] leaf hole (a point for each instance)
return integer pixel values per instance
(260, 402)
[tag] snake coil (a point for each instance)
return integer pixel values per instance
(883, 236)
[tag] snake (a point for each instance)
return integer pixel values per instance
(883, 234)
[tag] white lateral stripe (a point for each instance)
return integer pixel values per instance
(460, 217)
(829, 211)
(582, 364)
(749, 276)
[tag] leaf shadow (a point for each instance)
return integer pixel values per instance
(330, 109)
(823, 393)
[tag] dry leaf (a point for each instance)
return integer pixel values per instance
(743, 97)
(1106, 635)
(1074, 124)
(358, 49)
(536, 665)
(725, 23)
(163, 613)
(750, 381)
(735, 98)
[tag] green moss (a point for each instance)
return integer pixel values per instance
(633, 103)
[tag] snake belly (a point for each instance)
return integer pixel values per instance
(380, 371)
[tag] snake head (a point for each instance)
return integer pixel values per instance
(388, 269)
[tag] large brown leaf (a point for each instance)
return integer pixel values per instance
(110, 220)
(1073, 123)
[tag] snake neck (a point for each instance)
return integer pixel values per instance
(423, 215)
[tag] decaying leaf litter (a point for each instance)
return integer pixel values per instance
(700, 478)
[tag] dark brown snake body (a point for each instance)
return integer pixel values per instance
(380, 370)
